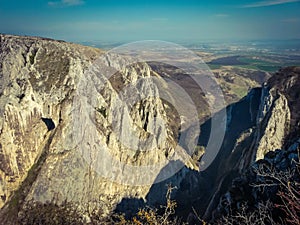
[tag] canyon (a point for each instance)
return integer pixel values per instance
(51, 156)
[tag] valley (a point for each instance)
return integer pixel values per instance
(70, 146)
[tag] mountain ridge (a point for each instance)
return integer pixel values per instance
(40, 79)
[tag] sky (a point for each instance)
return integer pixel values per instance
(133, 20)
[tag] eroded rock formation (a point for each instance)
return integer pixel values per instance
(52, 97)
(44, 162)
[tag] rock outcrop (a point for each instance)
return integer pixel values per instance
(72, 136)
(39, 76)
(260, 186)
(265, 120)
(42, 158)
(62, 123)
(275, 147)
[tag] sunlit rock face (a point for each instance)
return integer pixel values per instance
(58, 116)
(60, 119)
(274, 142)
(279, 112)
(265, 120)
(38, 78)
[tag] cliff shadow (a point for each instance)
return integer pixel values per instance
(201, 190)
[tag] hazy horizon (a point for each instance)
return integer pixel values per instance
(124, 21)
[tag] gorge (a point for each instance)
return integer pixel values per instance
(41, 163)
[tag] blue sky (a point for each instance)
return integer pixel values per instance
(121, 20)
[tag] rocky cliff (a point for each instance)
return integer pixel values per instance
(274, 150)
(52, 161)
(38, 77)
(42, 156)
(265, 120)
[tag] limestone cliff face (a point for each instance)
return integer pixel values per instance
(274, 123)
(61, 129)
(41, 156)
(278, 119)
(38, 77)
(266, 120)
(275, 140)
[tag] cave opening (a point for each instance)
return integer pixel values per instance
(49, 123)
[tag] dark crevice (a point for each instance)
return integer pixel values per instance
(20, 97)
(49, 123)
(146, 121)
